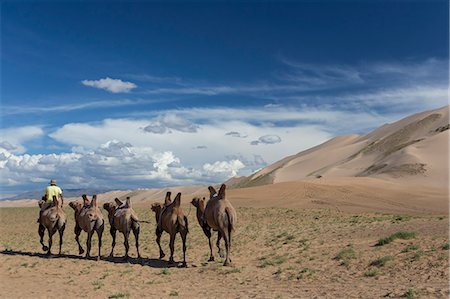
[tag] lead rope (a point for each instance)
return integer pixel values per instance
(189, 213)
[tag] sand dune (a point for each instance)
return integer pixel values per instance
(414, 150)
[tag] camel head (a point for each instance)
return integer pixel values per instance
(214, 194)
(197, 202)
(76, 206)
(156, 207)
(111, 208)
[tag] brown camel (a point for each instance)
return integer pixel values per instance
(122, 218)
(90, 219)
(200, 206)
(172, 220)
(53, 219)
(220, 216)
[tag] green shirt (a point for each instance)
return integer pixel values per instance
(51, 191)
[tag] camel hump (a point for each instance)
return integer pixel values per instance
(167, 200)
(118, 201)
(94, 201)
(212, 191)
(55, 201)
(177, 200)
(222, 191)
(128, 202)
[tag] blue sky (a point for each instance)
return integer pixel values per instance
(126, 95)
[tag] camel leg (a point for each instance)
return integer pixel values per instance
(50, 241)
(77, 238)
(226, 238)
(61, 233)
(41, 231)
(207, 232)
(99, 235)
(88, 243)
(126, 236)
(113, 232)
(172, 247)
(183, 238)
(136, 229)
(219, 236)
(158, 241)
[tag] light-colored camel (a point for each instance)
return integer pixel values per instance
(220, 216)
(90, 220)
(172, 220)
(122, 218)
(53, 219)
(199, 204)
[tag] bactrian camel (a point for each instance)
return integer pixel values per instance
(122, 218)
(171, 219)
(53, 219)
(89, 219)
(220, 216)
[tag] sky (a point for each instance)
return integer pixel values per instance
(151, 94)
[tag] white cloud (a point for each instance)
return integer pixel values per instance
(168, 122)
(111, 85)
(114, 164)
(229, 168)
(12, 110)
(13, 139)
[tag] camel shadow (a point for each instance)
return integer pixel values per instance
(150, 262)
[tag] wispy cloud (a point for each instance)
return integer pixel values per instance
(111, 85)
(11, 110)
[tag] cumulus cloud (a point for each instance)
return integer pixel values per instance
(114, 164)
(236, 134)
(229, 168)
(13, 139)
(166, 123)
(111, 85)
(267, 139)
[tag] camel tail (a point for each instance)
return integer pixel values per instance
(231, 220)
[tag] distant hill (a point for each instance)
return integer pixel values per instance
(37, 194)
(414, 148)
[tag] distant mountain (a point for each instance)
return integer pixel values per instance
(37, 194)
(414, 148)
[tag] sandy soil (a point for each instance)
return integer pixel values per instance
(276, 253)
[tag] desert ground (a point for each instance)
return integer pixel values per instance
(299, 240)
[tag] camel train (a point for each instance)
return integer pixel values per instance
(217, 214)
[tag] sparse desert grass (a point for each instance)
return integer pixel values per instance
(410, 247)
(272, 249)
(417, 255)
(446, 246)
(371, 273)
(380, 262)
(119, 295)
(398, 235)
(412, 294)
(345, 255)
